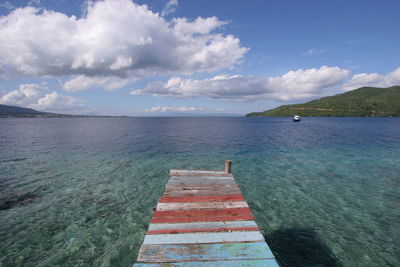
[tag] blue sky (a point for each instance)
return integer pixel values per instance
(176, 57)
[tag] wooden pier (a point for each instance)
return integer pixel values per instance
(203, 220)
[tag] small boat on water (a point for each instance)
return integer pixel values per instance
(296, 118)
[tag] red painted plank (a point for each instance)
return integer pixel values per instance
(176, 231)
(203, 219)
(192, 193)
(202, 212)
(202, 199)
(211, 186)
(202, 205)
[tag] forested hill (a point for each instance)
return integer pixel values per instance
(20, 112)
(362, 102)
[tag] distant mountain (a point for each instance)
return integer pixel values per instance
(362, 102)
(14, 111)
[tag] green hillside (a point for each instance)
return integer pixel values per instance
(362, 102)
(13, 111)
(20, 112)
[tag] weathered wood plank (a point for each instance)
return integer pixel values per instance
(216, 174)
(188, 193)
(186, 186)
(175, 172)
(204, 252)
(201, 225)
(208, 205)
(213, 188)
(237, 197)
(231, 263)
(202, 238)
(201, 213)
(180, 231)
(200, 181)
(214, 178)
(203, 219)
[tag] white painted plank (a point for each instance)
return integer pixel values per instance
(202, 225)
(183, 193)
(197, 171)
(204, 252)
(195, 238)
(201, 174)
(203, 177)
(213, 187)
(206, 205)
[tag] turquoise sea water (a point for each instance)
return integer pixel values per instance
(80, 192)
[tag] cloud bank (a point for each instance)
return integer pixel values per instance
(115, 38)
(293, 85)
(160, 109)
(82, 82)
(373, 79)
(36, 96)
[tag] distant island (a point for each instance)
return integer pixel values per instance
(20, 112)
(362, 102)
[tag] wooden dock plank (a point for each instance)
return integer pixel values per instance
(211, 178)
(203, 220)
(205, 252)
(201, 213)
(231, 263)
(209, 174)
(186, 186)
(201, 181)
(188, 230)
(237, 197)
(190, 171)
(200, 238)
(207, 205)
(201, 225)
(188, 193)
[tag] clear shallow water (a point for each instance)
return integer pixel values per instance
(80, 192)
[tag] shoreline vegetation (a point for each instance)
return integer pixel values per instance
(362, 102)
(21, 112)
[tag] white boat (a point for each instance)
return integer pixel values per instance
(296, 118)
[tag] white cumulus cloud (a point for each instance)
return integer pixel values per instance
(56, 102)
(115, 38)
(82, 82)
(306, 83)
(373, 79)
(163, 109)
(170, 7)
(299, 84)
(24, 96)
(218, 87)
(37, 97)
